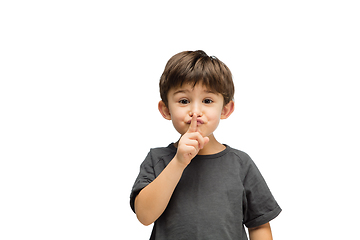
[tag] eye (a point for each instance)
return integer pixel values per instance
(207, 101)
(184, 101)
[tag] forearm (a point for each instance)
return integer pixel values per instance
(153, 199)
(262, 232)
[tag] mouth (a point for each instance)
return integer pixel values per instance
(199, 121)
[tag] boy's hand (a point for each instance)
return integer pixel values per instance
(190, 143)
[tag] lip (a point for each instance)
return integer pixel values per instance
(199, 121)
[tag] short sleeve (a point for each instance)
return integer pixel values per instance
(146, 176)
(260, 206)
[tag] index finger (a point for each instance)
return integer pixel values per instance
(193, 124)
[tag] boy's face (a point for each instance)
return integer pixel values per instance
(186, 100)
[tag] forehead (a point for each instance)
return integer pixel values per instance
(191, 88)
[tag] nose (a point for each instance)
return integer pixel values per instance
(195, 108)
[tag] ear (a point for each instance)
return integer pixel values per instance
(228, 109)
(164, 110)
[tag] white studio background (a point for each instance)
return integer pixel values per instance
(78, 108)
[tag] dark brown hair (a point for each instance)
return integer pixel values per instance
(196, 67)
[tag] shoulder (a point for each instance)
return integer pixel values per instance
(163, 150)
(161, 153)
(241, 156)
(243, 159)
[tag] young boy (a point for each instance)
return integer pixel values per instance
(198, 188)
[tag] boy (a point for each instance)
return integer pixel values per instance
(198, 188)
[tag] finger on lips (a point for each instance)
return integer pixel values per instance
(195, 139)
(193, 123)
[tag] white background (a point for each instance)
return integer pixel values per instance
(78, 108)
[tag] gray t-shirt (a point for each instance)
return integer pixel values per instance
(216, 196)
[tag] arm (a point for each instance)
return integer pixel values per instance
(262, 232)
(154, 198)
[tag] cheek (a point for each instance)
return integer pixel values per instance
(178, 122)
(214, 115)
(214, 118)
(215, 121)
